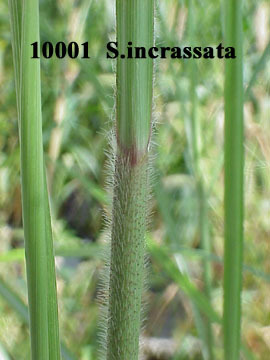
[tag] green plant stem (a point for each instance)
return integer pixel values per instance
(234, 165)
(133, 130)
(40, 266)
(135, 23)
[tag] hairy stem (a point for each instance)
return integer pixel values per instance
(127, 259)
(133, 130)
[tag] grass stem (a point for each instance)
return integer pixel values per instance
(233, 197)
(135, 19)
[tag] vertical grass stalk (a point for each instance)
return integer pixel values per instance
(135, 23)
(40, 266)
(234, 165)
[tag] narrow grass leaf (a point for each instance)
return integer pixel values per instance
(161, 254)
(41, 280)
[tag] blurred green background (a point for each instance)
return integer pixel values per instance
(185, 238)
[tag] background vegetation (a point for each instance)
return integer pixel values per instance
(185, 239)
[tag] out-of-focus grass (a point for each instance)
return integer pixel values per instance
(77, 176)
